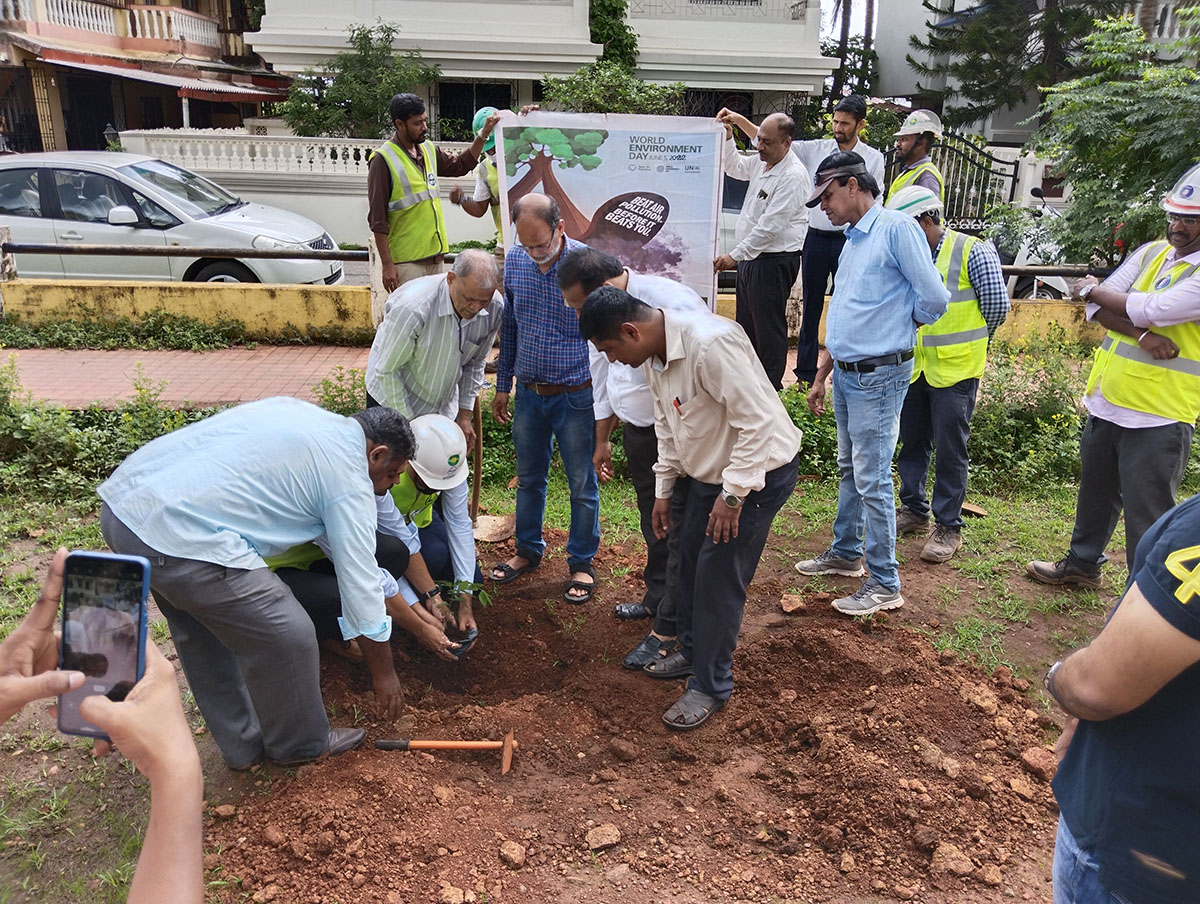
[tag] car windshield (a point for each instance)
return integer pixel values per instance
(195, 194)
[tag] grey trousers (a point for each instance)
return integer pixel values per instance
(1135, 469)
(247, 647)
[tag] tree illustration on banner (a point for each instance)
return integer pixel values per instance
(634, 217)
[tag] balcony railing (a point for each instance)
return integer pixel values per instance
(82, 16)
(16, 10)
(238, 152)
(137, 27)
(170, 23)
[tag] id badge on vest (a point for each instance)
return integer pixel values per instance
(431, 180)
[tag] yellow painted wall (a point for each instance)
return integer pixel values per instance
(271, 309)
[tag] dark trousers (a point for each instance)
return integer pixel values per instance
(1138, 469)
(641, 451)
(316, 588)
(936, 417)
(763, 285)
(435, 549)
(713, 576)
(819, 265)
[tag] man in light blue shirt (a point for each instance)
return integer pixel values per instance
(206, 504)
(888, 286)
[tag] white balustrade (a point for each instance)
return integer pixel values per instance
(168, 23)
(235, 151)
(82, 15)
(192, 28)
(16, 10)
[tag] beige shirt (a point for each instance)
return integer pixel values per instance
(717, 418)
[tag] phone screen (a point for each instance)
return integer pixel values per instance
(104, 630)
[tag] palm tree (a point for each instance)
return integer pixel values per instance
(1148, 17)
(844, 9)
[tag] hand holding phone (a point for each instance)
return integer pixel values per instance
(104, 631)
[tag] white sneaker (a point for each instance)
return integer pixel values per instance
(828, 563)
(871, 597)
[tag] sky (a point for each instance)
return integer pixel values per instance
(857, 18)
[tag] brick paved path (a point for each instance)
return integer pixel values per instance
(78, 378)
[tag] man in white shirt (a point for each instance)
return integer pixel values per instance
(724, 434)
(620, 395)
(823, 242)
(769, 233)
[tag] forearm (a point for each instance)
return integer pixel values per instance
(824, 366)
(378, 654)
(605, 428)
(476, 208)
(1070, 685)
(383, 249)
(407, 617)
(1109, 300)
(169, 867)
(418, 574)
(1118, 323)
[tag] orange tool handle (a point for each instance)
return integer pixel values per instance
(442, 745)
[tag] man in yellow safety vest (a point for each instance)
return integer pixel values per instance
(1143, 395)
(404, 207)
(486, 196)
(914, 141)
(948, 361)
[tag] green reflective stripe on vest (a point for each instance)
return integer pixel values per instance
(416, 222)
(1130, 377)
(954, 348)
(493, 184)
(908, 177)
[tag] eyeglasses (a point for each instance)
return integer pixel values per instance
(547, 245)
(1189, 221)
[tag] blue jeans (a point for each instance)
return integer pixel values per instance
(538, 422)
(867, 410)
(1076, 873)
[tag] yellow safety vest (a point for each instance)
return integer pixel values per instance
(416, 222)
(1130, 377)
(493, 183)
(908, 177)
(954, 347)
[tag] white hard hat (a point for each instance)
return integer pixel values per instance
(919, 121)
(915, 200)
(1184, 198)
(441, 458)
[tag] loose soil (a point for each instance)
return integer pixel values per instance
(852, 764)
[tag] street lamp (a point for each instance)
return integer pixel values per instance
(111, 135)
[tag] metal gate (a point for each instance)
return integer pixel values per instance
(20, 123)
(975, 179)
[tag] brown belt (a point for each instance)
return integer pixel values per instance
(548, 389)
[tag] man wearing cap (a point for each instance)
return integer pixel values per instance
(889, 287)
(770, 233)
(948, 361)
(914, 141)
(404, 210)
(1143, 394)
(428, 358)
(822, 243)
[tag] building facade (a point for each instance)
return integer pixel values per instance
(71, 68)
(756, 55)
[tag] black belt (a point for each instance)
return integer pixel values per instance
(868, 365)
(549, 389)
(830, 232)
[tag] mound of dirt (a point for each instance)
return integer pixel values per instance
(852, 764)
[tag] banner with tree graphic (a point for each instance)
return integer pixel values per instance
(645, 188)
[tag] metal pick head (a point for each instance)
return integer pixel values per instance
(506, 753)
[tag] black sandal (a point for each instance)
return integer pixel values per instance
(589, 589)
(509, 573)
(691, 710)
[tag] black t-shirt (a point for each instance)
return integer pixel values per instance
(1129, 787)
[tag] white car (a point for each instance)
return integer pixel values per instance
(105, 198)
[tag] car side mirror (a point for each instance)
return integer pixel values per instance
(122, 216)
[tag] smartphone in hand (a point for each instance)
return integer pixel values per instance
(103, 630)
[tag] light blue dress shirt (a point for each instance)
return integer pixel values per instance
(254, 481)
(886, 280)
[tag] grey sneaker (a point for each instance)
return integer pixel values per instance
(1065, 571)
(828, 563)
(871, 597)
(942, 545)
(909, 522)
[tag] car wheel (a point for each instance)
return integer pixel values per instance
(225, 271)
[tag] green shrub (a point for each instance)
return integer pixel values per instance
(343, 391)
(818, 449)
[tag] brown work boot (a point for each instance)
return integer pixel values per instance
(943, 544)
(1065, 571)
(909, 522)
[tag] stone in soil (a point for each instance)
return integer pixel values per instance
(1042, 763)
(949, 860)
(603, 837)
(513, 854)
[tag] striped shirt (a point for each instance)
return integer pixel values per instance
(539, 341)
(425, 358)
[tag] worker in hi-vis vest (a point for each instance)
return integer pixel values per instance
(404, 208)
(486, 196)
(948, 360)
(914, 141)
(1143, 394)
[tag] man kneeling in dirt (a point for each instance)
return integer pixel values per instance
(204, 504)
(728, 454)
(412, 548)
(1126, 786)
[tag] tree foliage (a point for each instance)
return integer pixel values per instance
(569, 147)
(858, 74)
(348, 96)
(1121, 134)
(1002, 52)
(608, 87)
(606, 19)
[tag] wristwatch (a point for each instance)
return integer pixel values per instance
(731, 500)
(429, 594)
(1086, 291)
